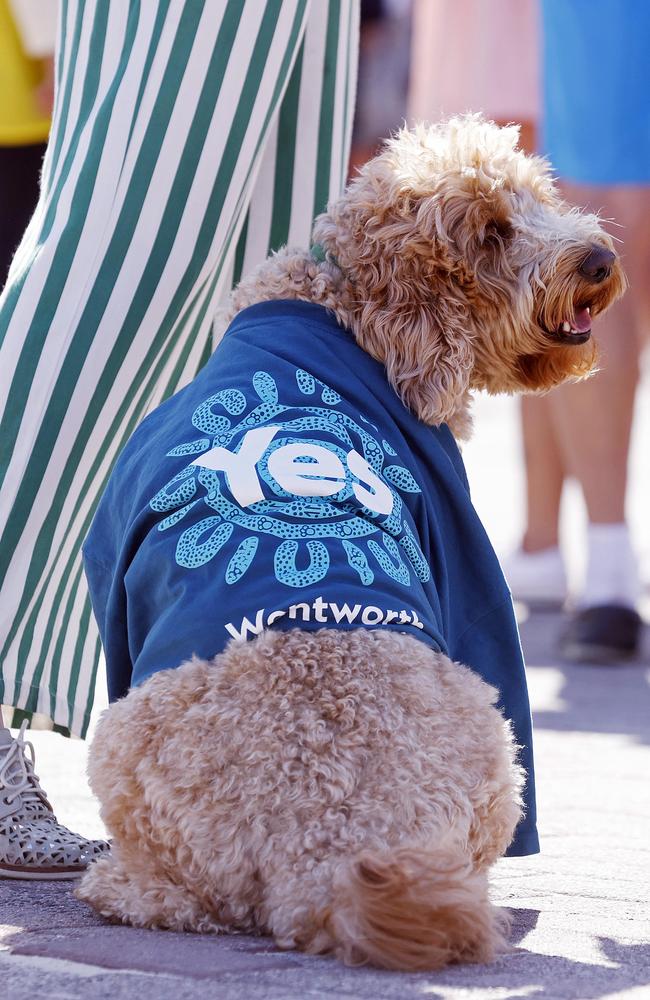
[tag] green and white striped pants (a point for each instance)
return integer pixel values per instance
(189, 138)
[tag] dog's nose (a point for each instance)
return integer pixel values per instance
(597, 265)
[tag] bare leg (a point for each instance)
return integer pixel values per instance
(584, 430)
(544, 464)
(593, 420)
(536, 571)
(544, 474)
(591, 424)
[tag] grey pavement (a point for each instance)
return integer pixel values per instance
(580, 913)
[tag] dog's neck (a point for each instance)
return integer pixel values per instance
(297, 274)
(316, 277)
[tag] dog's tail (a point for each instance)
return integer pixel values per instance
(414, 909)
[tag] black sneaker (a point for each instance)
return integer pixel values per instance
(605, 634)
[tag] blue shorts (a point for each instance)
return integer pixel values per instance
(596, 90)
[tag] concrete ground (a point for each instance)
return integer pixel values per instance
(580, 916)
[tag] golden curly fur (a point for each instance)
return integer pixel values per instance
(455, 258)
(347, 792)
(312, 786)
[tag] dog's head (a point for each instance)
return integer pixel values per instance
(466, 269)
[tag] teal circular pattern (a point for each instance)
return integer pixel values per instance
(307, 528)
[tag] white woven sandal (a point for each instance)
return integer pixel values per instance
(33, 845)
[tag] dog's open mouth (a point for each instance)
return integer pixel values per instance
(576, 330)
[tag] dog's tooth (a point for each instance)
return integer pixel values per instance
(566, 327)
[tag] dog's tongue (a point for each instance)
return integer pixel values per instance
(582, 320)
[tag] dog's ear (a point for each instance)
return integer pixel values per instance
(411, 292)
(424, 342)
(472, 216)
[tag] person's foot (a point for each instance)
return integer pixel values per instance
(606, 634)
(537, 578)
(33, 844)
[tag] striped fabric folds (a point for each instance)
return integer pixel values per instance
(189, 139)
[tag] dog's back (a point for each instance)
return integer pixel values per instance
(342, 796)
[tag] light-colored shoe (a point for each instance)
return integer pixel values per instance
(537, 578)
(33, 844)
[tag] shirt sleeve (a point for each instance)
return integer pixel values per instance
(108, 598)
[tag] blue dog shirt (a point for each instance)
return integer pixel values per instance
(288, 486)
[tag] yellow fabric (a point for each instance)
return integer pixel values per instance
(21, 120)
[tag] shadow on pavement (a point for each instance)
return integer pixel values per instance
(550, 975)
(523, 922)
(603, 699)
(79, 936)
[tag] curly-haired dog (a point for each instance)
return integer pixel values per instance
(338, 781)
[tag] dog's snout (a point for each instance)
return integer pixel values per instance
(597, 265)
